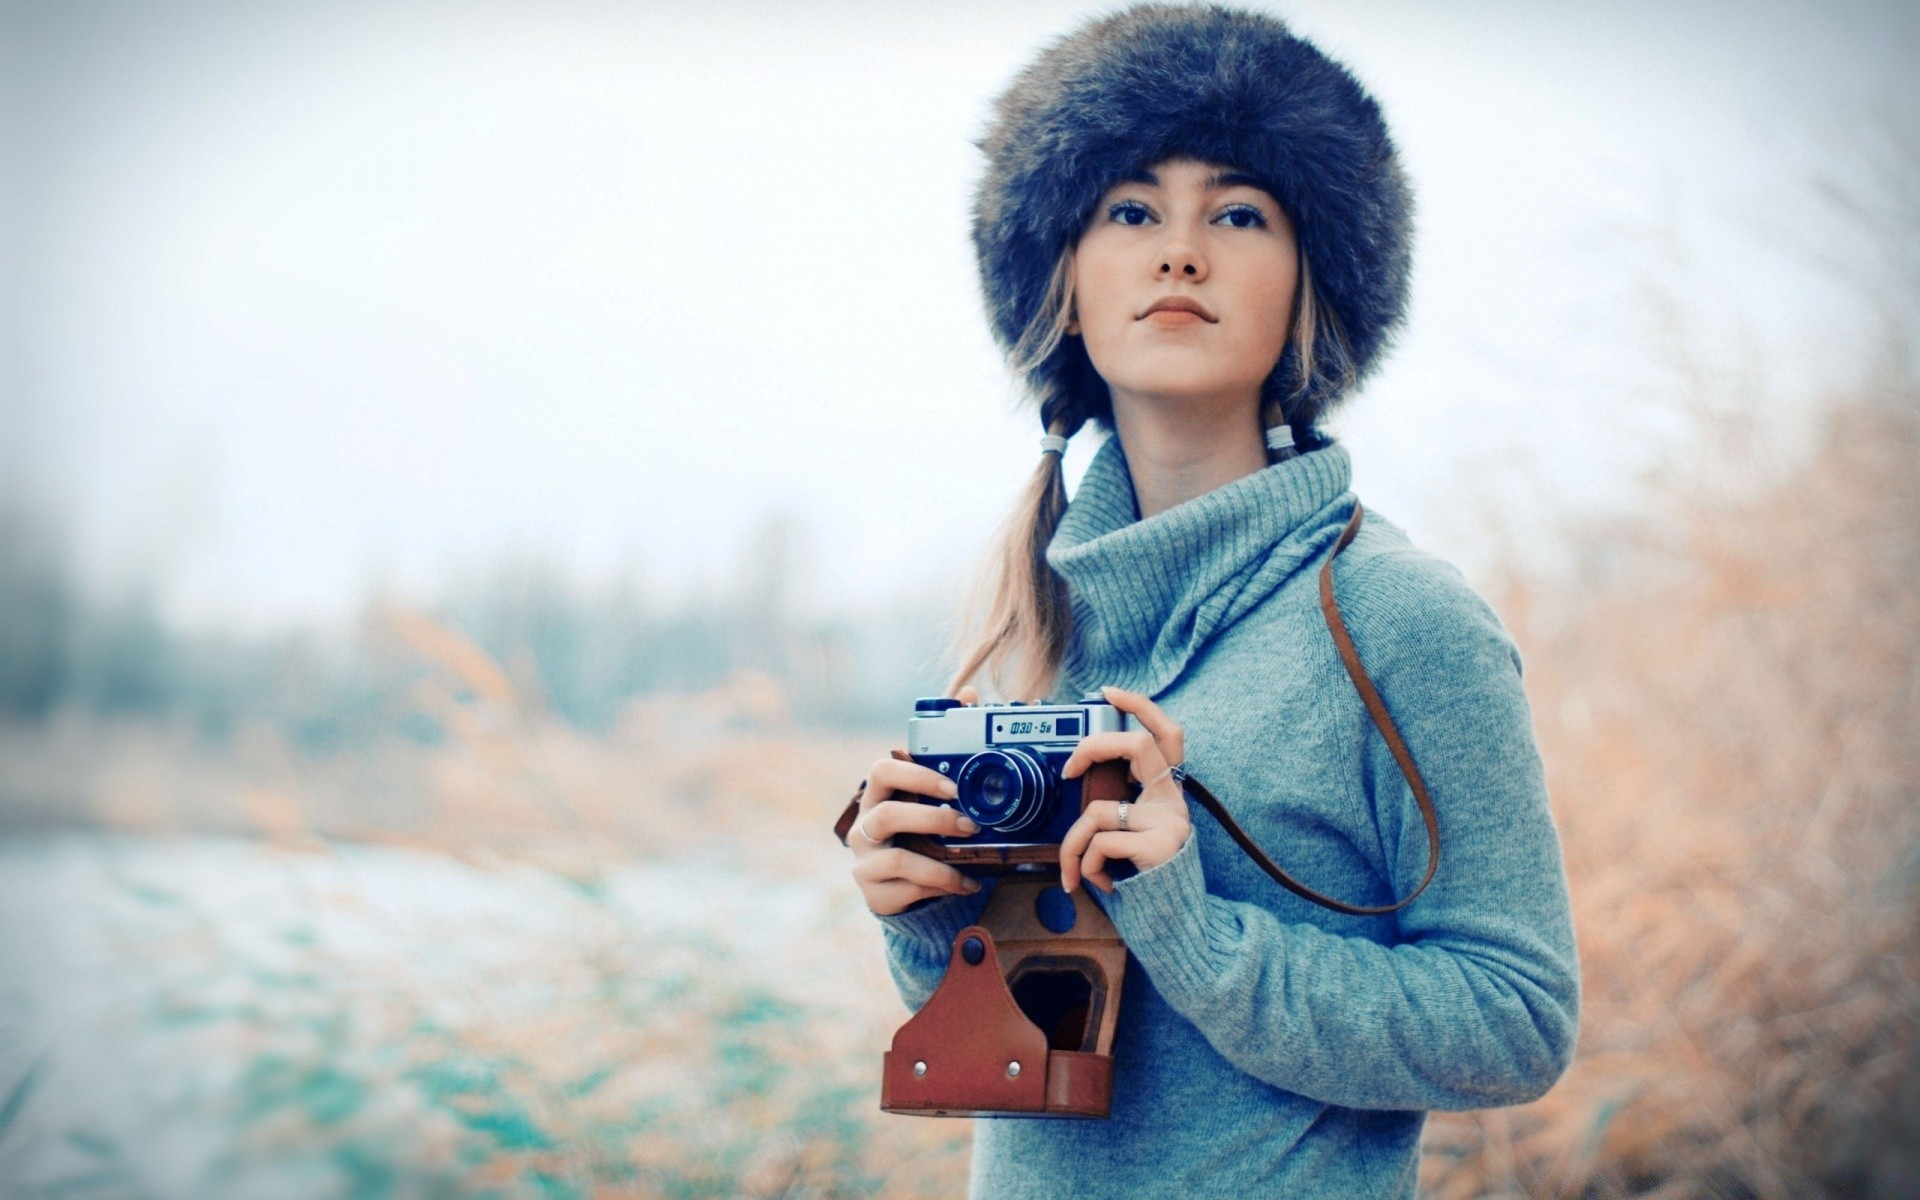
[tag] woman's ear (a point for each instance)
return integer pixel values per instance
(1073, 321)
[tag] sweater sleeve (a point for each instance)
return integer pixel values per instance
(1477, 1003)
(920, 941)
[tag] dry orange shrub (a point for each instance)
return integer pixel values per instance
(1728, 701)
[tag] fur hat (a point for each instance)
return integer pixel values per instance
(1225, 86)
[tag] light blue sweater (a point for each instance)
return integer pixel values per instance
(1267, 1046)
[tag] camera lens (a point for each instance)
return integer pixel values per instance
(1004, 790)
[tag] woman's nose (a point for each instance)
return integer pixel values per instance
(1179, 259)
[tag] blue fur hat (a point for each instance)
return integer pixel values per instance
(1218, 84)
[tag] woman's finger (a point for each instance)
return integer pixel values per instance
(1135, 745)
(891, 777)
(1166, 732)
(967, 696)
(895, 896)
(892, 817)
(1104, 848)
(893, 863)
(1100, 817)
(1079, 835)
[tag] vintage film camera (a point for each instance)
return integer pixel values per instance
(1024, 1019)
(1006, 759)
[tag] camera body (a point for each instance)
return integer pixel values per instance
(1006, 760)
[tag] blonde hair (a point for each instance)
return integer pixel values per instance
(1028, 619)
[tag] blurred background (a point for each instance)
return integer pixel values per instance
(479, 482)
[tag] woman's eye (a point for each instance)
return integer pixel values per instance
(1129, 212)
(1242, 216)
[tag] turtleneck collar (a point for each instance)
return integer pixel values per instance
(1148, 595)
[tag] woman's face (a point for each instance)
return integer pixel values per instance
(1184, 284)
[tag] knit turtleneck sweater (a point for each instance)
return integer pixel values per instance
(1267, 1046)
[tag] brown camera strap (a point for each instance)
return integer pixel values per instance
(1382, 720)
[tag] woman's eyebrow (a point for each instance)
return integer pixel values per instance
(1228, 179)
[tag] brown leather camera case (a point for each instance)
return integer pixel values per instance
(972, 1050)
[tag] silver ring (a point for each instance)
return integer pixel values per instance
(1124, 806)
(861, 825)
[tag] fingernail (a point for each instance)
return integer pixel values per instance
(973, 885)
(967, 825)
(949, 788)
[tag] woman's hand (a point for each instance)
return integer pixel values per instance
(1157, 820)
(891, 878)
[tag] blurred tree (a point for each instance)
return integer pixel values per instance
(38, 602)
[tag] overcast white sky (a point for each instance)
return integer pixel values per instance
(308, 297)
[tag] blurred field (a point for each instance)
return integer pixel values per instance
(536, 962)
(528, 961)
(1728, 700)
(524, 962)
(488, 953)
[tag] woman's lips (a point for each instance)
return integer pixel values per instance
(1177, 310)
(1174, 316)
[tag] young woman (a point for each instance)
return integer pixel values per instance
(1193, 232)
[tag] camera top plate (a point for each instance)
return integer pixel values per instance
(970, 729)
